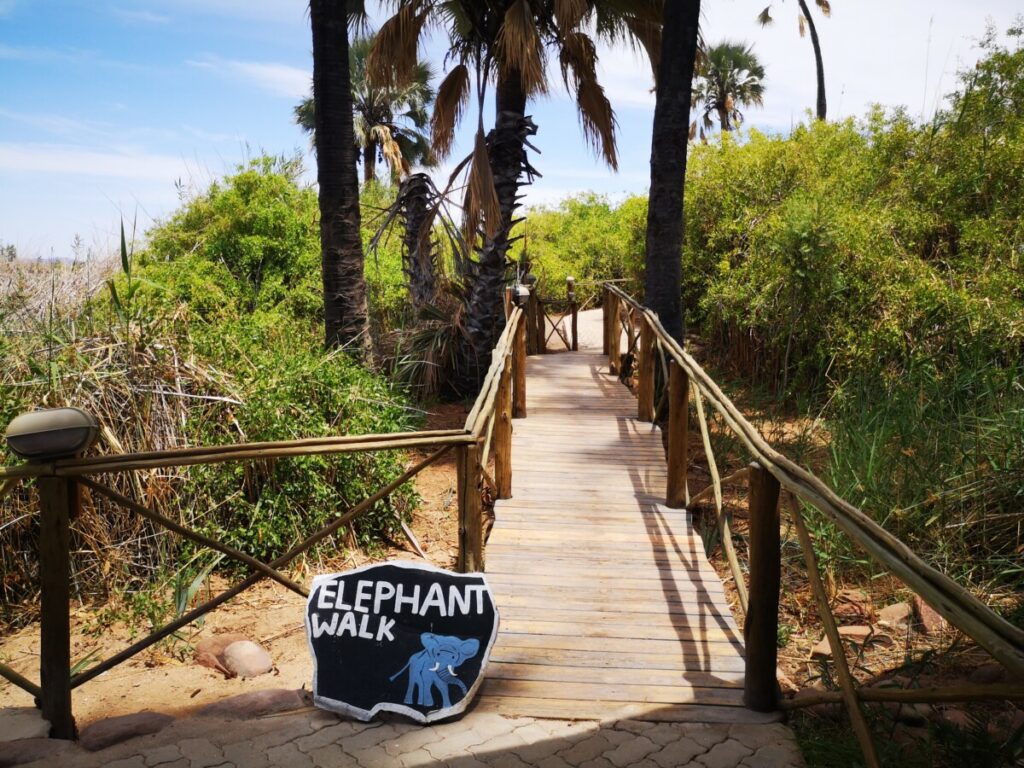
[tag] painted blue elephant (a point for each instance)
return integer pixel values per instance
(434, 667)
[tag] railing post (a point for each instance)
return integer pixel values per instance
(519, 370)
(540, 326)
(503, 434)
(471, 533)
(645, 373)
(59, 502)
(761, 626)
(570, 290)
(614, 335)
(606, 303)
(508, 301)
(678, 435)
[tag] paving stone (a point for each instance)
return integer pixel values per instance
(465, 762)
(289, 756)
(501, 742)
(23, 751)
(728, 754)
(114, 730)
(706, 735)
(632, 751)
(774, 756)
(633, 726)
(245, 755)
(160, 755)
(415, 758)
(679, 752)
(411, 741)
(201, 753)
(373, 757)
(17, 723)
(338, 733)
(597, 762)
(135, 761)
(663, 733)
(552, 762)
(587, 749)
(506, 760)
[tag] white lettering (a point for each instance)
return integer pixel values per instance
(320, 628)
(434, 599)
(456, 595)
(340, 604)
(478, 590)
(413, 601)
(363, 632)
(385, 628)
(362, 595)
(348, 625)
(326, 596)
(384, 591)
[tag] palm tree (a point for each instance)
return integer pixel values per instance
(506, 43)
(729, 75)
(388, 122)
(673, 95)
(346, 319)
(806, 22)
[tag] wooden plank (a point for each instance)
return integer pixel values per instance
(686, 649)
(612, 676)
(571, 709)
(659, 694)
(615, 659)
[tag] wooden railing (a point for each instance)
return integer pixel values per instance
(661, 363)
(487, 432)
(546, 318)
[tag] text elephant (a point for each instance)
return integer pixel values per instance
(434, 667)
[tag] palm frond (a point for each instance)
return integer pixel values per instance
(520, 51)
(569, 13)
(481, 204)
(598, 120)
(393, 58)
(825, 6)
(450, 105)
(802, 20)
(764, 18)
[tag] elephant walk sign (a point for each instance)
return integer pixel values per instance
(399, 637)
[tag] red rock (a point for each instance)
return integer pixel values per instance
(987, 674)
(897, 615)
(256, 704)
(853, 604)
(931, 621)
(114, 730)
(246, 659)
(209, 652)
(857, 633)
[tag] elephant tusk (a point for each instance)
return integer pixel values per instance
(436, 667)
(451, 671)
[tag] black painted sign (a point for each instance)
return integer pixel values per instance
(401, 637)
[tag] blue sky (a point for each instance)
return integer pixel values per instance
(111, 106)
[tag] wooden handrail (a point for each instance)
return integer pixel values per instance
(962, 609)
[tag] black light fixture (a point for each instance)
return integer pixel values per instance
(51, 434)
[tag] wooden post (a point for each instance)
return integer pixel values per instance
(570, 289)
(614, 335)
(508, 300)
(645, 373)
(59, 502)
(761, 627)
(678, 435)
(519, 371)
(539, 325)
(503, 434)
(471, 529)
(606, 303)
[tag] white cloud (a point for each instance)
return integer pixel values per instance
(140, 16)
(278, 79)
(67, 160)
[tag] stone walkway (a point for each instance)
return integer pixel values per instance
(311, 737)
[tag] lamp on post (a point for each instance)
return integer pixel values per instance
(39, 437)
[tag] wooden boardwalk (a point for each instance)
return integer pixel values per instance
(609, 608)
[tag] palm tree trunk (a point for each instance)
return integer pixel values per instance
(723, 119)
(420, 267)
(820, 67)
(370, 162)
(663, 278)
(486, 282)
(346, 321)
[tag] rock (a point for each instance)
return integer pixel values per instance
(931, 621)
(827, 710)
(915, 715)
(246, 659)
(256, 704)
(114, 730)
(955, 717)
(897, 615)
(22, 723)
(209, 652)
(860, 634)
(988, 674)
(53, 751)
(853, 604)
